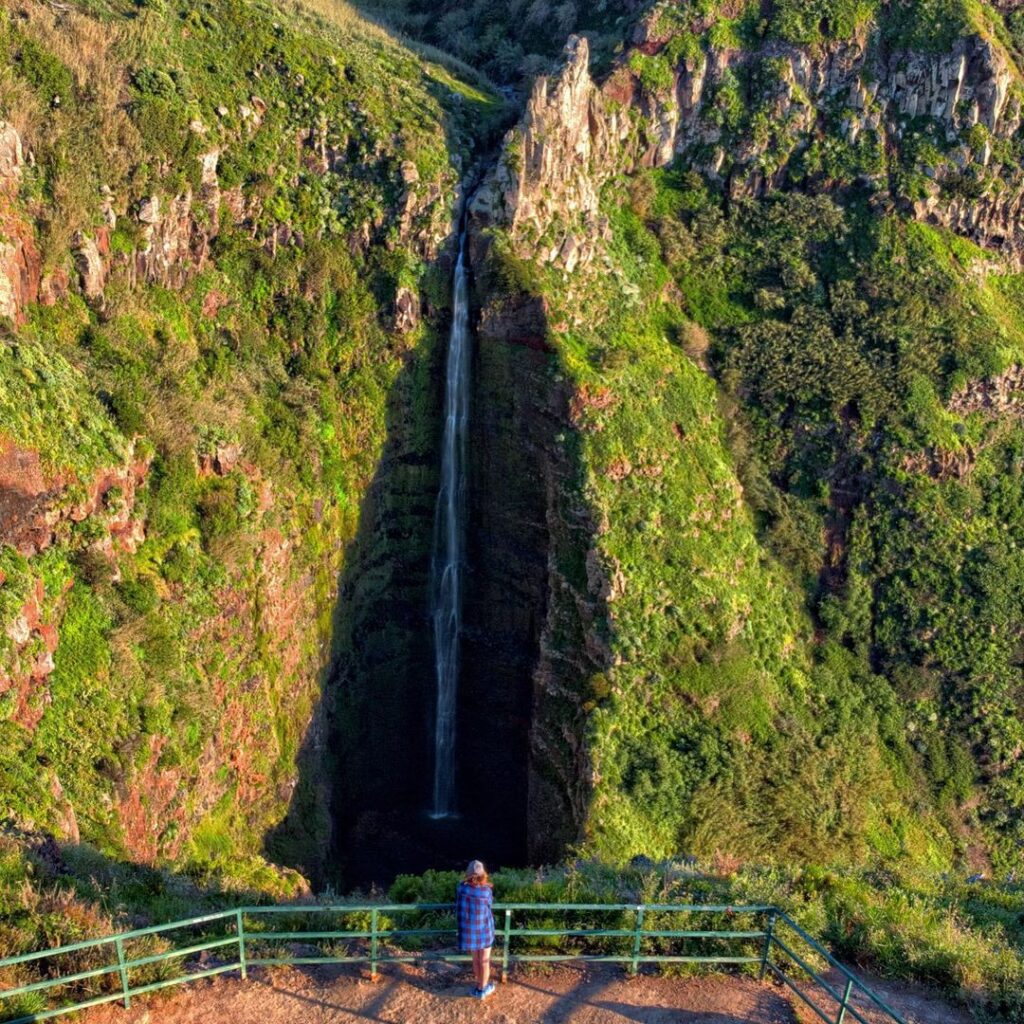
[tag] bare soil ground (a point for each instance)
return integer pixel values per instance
(917, 1005)
(439, 994)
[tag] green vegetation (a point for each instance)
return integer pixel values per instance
(857, 481)
(207, 434)
(795, 449)
(811, 557)
(964, 938)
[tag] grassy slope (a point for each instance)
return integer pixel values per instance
(187, 670)
(759, 710)
(720, 717)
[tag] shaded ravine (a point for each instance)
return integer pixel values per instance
(362, 811)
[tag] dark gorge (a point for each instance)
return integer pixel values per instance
(369, 762)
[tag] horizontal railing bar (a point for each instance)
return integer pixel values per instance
(574, 932)
(284, 961)
(416, 931)
(701, 935)
(611, 958)
(658, 908)
(391, 908)
(810, 1002)
(48, 983)
(255, 936)
(182, 979)
(835, 963)
(138, 933)
(514, 958)
(628, 932)
(170, 954)
(342, 908)
(806, 967)
(277, 936)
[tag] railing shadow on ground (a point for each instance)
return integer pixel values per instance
(124, 966)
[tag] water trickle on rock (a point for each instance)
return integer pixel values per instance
(448, 557)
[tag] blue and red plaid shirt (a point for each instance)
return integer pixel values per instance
(475, 917)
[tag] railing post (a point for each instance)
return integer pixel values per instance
(846, 1002)
(635, 966)
(768, 936)
(504, 952)
(373, 944)
(123, 971)
(241, 943)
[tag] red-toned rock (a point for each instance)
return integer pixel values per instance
(24, 496)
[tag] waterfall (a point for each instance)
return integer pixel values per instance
(449, 544)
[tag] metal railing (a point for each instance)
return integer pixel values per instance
(252, 937)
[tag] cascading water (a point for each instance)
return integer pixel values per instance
(449, 544)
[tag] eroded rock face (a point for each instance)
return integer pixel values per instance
(92, 273)
(995, 396)
(407, 310)
(554, 164)
(575, 135)
(33, 503)
(29, 663)
(24, 496)
(12, 156)
(19, 257)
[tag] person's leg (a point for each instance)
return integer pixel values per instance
(477, 968)
(485, 967)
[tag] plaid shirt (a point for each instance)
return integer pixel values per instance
(475, 918)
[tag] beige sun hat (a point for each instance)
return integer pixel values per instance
(475, 868)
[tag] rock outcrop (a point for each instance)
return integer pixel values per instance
(33, 503)
(19, 258)
(576, 135)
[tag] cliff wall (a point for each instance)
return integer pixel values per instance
(933, 132)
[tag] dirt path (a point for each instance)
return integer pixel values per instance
(440, 996)
(914, 1003)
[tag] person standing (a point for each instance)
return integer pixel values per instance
(474, 898)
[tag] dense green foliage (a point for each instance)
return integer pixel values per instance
(241, 408)
(807, 527)
(847, 441)
(716, 683)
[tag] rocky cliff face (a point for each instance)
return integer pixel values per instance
(933, 131)
(19, 260)
(200, 324)
(173, 235)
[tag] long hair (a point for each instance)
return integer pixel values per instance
(481, 879)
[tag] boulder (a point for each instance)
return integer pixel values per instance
(92, 274)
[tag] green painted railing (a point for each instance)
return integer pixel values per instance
(252, 936)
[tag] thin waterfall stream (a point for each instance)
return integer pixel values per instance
(448, 557)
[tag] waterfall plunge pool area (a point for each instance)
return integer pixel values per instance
(433, 726)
